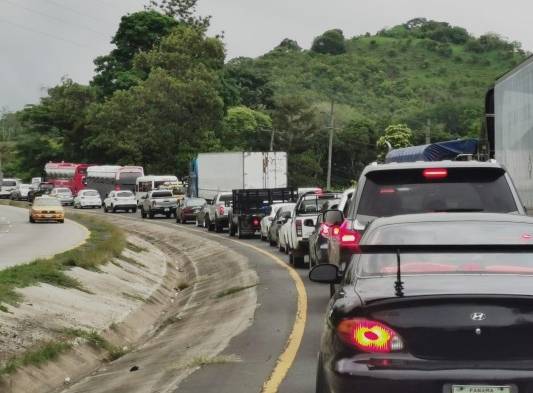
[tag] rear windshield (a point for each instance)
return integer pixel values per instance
(390, 193)
(315, 203)
(374, 265)
(9, 183)
(226, 198)
(162, 194)
(63, 190)
(124, 194)
(195, 202)
(46, 202)
(91, 193)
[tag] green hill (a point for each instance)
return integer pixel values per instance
(413, 73)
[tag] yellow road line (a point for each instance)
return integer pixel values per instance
(286, 359)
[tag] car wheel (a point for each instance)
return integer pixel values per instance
(151, 214)
(168, 215)
(143, 213)
(32, 220)
(113, 209)
(272, 243)
(209, 226)
(298, 261)
(105, 208)
(134, 210)
(61, 221)
(218, 228)
(321, 383)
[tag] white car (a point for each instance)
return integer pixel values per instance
(283, 237)
(7, 186)
(88, 198)
(120, 200)
(266, 222)
(63, 194)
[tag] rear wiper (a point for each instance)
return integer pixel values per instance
(459, 210)
(398, 285)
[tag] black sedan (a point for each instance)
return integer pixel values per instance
(433, 304)
(188, 208)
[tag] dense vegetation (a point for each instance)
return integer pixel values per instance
(166, 93)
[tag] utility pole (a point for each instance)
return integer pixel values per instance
(428, 132)
(330, 149)
(272, 139)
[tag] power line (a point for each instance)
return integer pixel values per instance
(55, 18)
(74, 11)
(47, 34)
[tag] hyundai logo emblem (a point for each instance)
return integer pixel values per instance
(478, 316)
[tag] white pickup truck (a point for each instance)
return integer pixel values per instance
(218, 212)
(302, 223)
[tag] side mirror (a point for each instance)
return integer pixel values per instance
(333, 217)
(325, 274)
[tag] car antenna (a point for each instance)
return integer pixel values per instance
(398, 285)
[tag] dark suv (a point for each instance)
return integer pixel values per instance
(386, 190)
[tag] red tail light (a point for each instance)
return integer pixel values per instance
(369, 336)
(221, 210)
(255, 221)
(349, 238)
(298, 224)
(435, 173)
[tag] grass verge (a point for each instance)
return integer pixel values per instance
(105, 242)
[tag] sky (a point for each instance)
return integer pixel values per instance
(42, 41)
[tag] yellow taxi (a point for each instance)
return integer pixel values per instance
(47, 209)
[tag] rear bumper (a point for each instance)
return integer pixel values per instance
(48, 217)
(157, 210)
(354, 377)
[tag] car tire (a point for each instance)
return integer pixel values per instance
(218, 227)
(272, 243)
(61, 221)
(134, 210)
(209, 226)
(321, 383)
(143, 213)
(168, 215)
(298, 261)
(113, 209)
(239, 233)
(105, 208)
(32, 220)
(151, 214)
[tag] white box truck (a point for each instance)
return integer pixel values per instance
(212, 173)
(509, 120)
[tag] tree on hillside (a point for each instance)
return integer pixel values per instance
(289, 45)
(137, 32)
(397, 135)
(245, 129)
(55, 129)
(331, 42)
(182, 10)
(166, 119)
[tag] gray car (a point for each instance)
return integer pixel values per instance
(161, 202)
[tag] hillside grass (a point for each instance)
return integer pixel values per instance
(105, 242)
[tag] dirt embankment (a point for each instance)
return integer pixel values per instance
(171, 306)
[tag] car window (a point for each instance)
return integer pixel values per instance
(124, 194)
(9, 183)
(375, 265)
(162, 194)
(194, 202)
(314, 203)
(46, 202)
(389, 193)
(91, 193)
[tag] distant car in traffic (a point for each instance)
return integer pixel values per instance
(46, 208)
(267, 221)
(64, 195)
(120, 201)
(158, 202)
(188, 208)
(283, 213)
(21, 192)
(283, 234)
(87, 198)
(40, 189)
(432, 303)
(7, 186)
(218, 210)
(386, 190)
(201, 215)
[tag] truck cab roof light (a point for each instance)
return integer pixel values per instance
(435, 173)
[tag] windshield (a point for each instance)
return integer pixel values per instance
(373, 265)
(63, 191)
(124, 194)
(9, 183)
(195, 202)
(91, 193)
(162, 194)
(395, 192)
(314, 203)
(46, 202)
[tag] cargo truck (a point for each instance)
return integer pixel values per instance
(214, 173)
(509, 127)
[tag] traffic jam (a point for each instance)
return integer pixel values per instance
(429, 263)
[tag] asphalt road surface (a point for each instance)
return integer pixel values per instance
(22, 242)
(261, 346)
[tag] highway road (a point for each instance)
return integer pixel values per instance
(274, 351)
(22, 242)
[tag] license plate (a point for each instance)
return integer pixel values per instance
(480, 389)
(167, 209)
